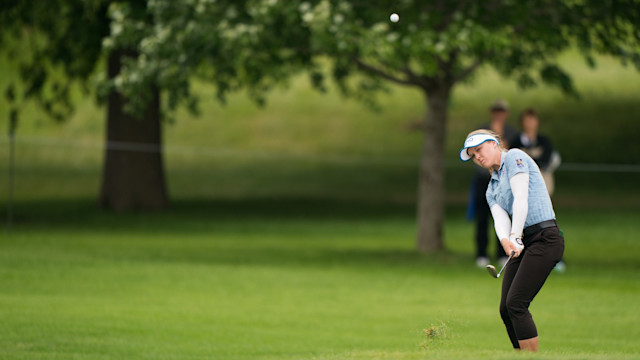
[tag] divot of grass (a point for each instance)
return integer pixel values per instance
(434, 335)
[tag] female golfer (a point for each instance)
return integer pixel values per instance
(525, 224)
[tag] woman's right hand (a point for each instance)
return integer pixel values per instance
(510, 246)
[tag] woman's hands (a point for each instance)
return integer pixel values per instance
(512, 245)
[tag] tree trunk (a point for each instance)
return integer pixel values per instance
(431, 194)
(133, 173)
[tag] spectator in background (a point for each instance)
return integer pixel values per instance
(540, 149)
(537, 146)
(478, 207)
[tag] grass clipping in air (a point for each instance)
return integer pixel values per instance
(434, 335)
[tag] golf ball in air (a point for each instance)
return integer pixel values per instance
(394, 17)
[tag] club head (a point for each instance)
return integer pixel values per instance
(492, 271)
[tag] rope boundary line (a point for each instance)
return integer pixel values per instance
(209, 151)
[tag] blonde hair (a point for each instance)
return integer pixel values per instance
(489, 132)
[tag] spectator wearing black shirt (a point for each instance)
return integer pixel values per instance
(537, 146)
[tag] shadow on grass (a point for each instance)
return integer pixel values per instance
(284, 232)
(82, 212)
(261, 232)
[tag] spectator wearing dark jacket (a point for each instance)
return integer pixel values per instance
(539, 147)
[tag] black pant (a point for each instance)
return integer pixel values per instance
(482, 213)
(523, 279)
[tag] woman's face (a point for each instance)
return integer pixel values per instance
(485, 154)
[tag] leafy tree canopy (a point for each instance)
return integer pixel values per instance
(258, 43)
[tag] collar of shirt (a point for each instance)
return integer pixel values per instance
(495, 175)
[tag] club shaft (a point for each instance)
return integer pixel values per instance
(505, 263)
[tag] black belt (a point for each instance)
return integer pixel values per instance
(530, 230)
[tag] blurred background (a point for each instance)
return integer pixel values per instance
(304, 144)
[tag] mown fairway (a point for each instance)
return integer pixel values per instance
(295, 280)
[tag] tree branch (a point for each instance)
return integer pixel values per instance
(468, 71)
(415, 78)
(383, 74)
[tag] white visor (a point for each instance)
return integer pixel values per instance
(473, 141)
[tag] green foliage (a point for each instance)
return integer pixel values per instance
(54, 43)
(259, 44)
(437, 44)
(228, 43)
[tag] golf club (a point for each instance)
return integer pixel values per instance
(492, 269)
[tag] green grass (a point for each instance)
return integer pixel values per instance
(297, 279)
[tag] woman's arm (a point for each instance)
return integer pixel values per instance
(501, 221)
